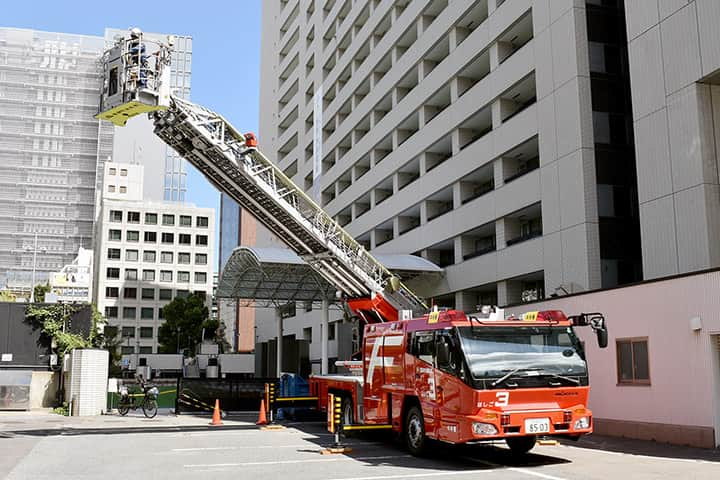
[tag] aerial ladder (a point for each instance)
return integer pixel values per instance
(136, 72)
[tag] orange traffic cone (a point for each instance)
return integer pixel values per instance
(262, 420)
(216, 414)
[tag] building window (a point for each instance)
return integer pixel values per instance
(125, 350)
(145, 350)
(331, 331)
(201, 222)
(200, 259)
(632, 361)
(112, 292)
(115, 235)
(148, 275)
(128, 332)
(111, 312)
(133, 217)
(183, 277)
(168, 238)
(184, 239)
(112, 171)
(112, 272)
(184, 258)
(148, 293)
(165, 294)
(131, 255)
(168, 219)
(202, 294)
(146, 332)
(185, 221)
(151, 219)
(200, 277)
(165, 275)
(307, 334)
(130, 292)
(111, 188)
(123, 172)
(146, 313)
(149, 256)
(132, 236)
(160, 313)
(182, 293)
(166, 257)
(115, 215)
(201, 240)
(131, 274)
(123, 189)
(113, 254)
(129, 312)
(150, 237)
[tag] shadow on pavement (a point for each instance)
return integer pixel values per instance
(380, 449)
(646, 448)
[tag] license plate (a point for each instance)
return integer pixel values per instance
(537, 425)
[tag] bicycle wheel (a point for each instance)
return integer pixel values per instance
(149, 408)
(123, 409)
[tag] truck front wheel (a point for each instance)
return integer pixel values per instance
(415, 431)
(521, 445)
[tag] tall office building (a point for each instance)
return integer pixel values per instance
(492, 137)
(146, 254)
(49, 150)
(675, 72)
(52, 150)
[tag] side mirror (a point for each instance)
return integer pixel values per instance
(602, 337)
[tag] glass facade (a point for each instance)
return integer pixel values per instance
(229, 229)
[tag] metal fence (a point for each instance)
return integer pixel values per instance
(199, 394)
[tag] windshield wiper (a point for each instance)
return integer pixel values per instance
(513, 372)
(562, 377)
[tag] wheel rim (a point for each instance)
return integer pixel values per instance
(414, 431)
(347, 414)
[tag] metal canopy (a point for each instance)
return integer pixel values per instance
(265, 277)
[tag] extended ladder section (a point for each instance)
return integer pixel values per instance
(232, 162)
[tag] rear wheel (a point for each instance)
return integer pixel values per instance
(150, 408)
(123, 409)
(415, 431)
(347, 411)
(521, 445)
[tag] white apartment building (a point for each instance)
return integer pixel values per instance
(479, 134)
(147, 254)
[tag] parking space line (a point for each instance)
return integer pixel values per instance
(416, 475)
(287, 462)
(253, 447)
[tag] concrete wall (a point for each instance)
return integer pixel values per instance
(674, 63)
(43, 389)
(682, 403)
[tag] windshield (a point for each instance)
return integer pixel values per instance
(522, 352)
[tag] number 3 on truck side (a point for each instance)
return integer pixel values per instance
(502, 399)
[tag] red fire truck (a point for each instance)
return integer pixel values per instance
(463, 378)
(443, 375)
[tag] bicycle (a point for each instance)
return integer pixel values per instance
(148, 402)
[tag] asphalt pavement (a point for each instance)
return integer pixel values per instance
(186, 447)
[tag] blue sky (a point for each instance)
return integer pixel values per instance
(226, 50)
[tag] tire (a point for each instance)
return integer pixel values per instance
(521, 445)
(150, 408)
(415, 438)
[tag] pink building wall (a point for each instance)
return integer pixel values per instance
(682, 403)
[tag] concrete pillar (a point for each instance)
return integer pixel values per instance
(324, 337)
(278, 317)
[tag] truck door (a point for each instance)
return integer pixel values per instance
(374, 377)
(422, 349)
(448, 384)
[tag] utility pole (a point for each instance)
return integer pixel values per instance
(32, 282)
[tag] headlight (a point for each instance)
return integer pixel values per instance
(484, 429)
(582, 423)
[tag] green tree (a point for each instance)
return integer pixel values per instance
(40, 291)
(53, 319)
(185, 319)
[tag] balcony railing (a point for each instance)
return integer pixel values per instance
(524, 237)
